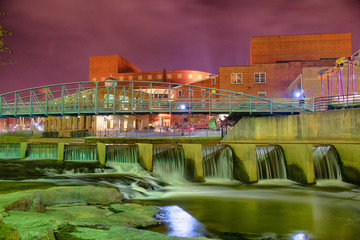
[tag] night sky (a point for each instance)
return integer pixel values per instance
(52, 40)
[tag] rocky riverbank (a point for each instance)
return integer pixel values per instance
(81, 212)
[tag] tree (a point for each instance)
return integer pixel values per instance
(3, 48)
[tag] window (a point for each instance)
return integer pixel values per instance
(168, 76)
(94, 79)
(261, 94)
(179, 93)
(103, 78)
(202, 92)
(236, 78)
(260, 77)
(179, 75)
(159, 76)
(213, 81)
(121, 78)
(149, 77)
(130, 78)
(199, 76)
(139, 77)
(190, 76)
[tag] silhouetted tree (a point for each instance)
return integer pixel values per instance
(3, 48)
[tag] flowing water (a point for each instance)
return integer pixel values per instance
(217, 162)
(270, 162)
(42, 151)
(127, 154)
(326, 162)
(272, 209)
(80, 153)
(169, 162)
(9, 150)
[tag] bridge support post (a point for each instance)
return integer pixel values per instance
(101, 152)
(61, 149)
(145, 156)
(193, 162)
(300, 163)
(349, 162)
(74, 123)
(82, 122)
(245, 169)
(23, 149)
(59, 123)
(88, 122)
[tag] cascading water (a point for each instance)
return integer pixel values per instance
(80, 153)
(42, 151)
(326, 162)
(168, 160)
(217, 162)
(270, 162)
(125, 154)
(9, 150)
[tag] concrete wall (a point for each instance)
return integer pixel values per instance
(328, 127)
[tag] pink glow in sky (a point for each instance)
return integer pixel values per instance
(52, 40)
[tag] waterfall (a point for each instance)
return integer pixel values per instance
(168, 160)
(80, 153)
(9, 150)
(217, 162)
(128, 154)
(270, 162)
(326, 162)
(42, 151)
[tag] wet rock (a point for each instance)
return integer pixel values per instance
(8, 233)
(80, 194)
(27, 204)
(145, 185)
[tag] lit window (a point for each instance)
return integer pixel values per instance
(139, 77)
(261, 94)
(121, 78)
(213, 81)
(236, 78)
(260, 77)
(149, 77)
(130, 78)
(190, 75)
(179, 75)
(159, 76)
(102, 79)
(94, 79)
(169, 76)
(199, 76)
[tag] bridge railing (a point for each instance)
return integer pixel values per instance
(136, 97)
(337, 102)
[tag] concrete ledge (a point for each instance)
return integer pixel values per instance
(245, 169)
(23, 149)
(193, 162)
(145, 156)
(61, 149)
(300, 163)
(349, 162)
(101, 152)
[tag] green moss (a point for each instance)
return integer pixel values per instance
(8, 233)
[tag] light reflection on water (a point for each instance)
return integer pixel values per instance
(179, 222)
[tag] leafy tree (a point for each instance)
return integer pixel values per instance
(3, 48)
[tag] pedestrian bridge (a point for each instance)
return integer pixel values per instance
(137, 97)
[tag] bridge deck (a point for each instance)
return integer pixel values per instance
(137, 97)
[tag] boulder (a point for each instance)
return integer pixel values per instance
(79, 194)
(8, 233)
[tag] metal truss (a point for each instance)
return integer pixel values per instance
(136, 97)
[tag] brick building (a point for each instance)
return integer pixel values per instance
(276, 61)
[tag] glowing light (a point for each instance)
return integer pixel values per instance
(182, 106)
(298, 94)
(300, 236)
